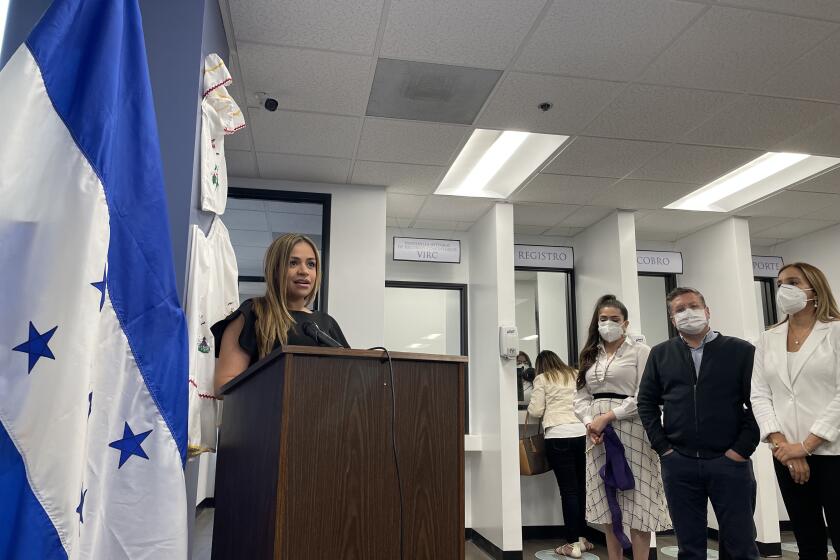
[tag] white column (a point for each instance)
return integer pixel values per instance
(605, 263)
(494, 472)
(718, 261)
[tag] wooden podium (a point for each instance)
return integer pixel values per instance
(306, 463)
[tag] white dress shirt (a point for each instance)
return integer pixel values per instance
(805, 398)
(620, 373)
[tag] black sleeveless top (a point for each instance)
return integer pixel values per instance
(248, 338)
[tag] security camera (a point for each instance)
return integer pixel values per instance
(545, 106)
(268, 102)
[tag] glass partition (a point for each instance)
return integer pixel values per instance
(656, 325)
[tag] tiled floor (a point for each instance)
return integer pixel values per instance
(204, 539)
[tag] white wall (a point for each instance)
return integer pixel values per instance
(718, 261)
(821, 249)
(494, 473)
(357, 242)
(605, 262)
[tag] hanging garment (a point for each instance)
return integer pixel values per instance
(212, 294)
(617, 476)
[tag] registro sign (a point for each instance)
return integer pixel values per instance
(541, 256)
(427, 250)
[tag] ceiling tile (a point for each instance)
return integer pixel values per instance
(241, 139)
(307, 80)
(398, 177)
(828, 182)
(522, 229)
(759, 224)
(319, 24)
(541, 214)
(403, 205)
(612, 39)
(456, 208)
(246, 219)
(603, 157)
(656, 112)
(635, 194)
(829, 210)
(441, 225)
(463, 226)
(820, 139)
(585, 216)
(790, 204)
(732, 49)
(658, 236)
(410, 142)
(576, 101)
(694, 164)
(677, 221)
(563, 231)
(763, 243)
(821, 9)
(796, 228)
(562, 189)
(482, 33)
(303, 168)
(305, 133)
(250, 238)
(810, 77)
(241, 164)
(398, 222)
(759, 122)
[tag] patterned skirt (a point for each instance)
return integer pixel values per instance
(643, 508)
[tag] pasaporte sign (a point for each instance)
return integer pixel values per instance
(542, 256)
(664, 262)
(427, 250)
(766, 267)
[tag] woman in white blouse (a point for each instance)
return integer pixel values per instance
(796, 402)
(611, 367)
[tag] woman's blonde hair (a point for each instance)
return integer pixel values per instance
(273, 319)
(554, 369)
(827, 309)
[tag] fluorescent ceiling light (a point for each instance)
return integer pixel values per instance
(494, 163)
(532, 337)
(417, 345)
(755, 180)
(431, 336)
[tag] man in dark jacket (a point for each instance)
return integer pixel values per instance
(707, 432)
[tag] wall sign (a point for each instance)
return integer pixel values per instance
(427, 250)
(663, 262)
(766, 267)
(541, 256)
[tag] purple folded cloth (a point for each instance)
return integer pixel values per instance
(617, 476)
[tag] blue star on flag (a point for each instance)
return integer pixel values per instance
(101, 286)
(81, 506)
(37, 346)
(130, 444)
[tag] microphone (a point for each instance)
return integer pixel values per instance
(312, 330)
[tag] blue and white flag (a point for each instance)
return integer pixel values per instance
(93, 349)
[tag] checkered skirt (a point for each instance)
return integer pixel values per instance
(643, 508)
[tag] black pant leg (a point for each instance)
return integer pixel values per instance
(564, 457)
(825, 470)
(686, 494)
(804, 507)
(731, 488)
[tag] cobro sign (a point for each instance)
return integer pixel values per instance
(663, 262)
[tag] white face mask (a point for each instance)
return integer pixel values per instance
(791, 299)
(691, 321)
(610, 330)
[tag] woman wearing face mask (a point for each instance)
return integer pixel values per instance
(796, 401)
(611, 367)
(524, 377)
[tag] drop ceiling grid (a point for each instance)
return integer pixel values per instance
(683, 19)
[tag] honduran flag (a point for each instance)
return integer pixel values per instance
(93, 349)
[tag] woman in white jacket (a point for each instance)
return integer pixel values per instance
(796, 402)
(552, 400)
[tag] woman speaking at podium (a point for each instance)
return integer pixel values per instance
(279, 318)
